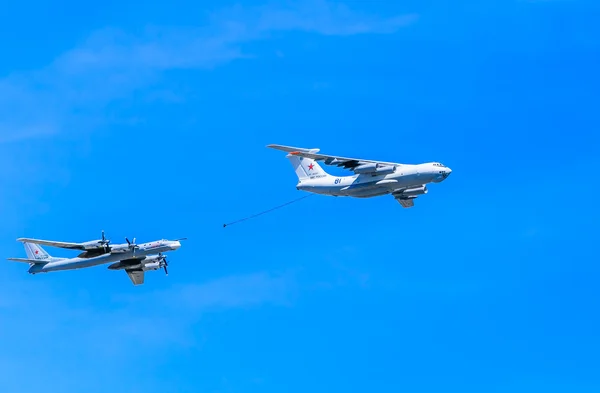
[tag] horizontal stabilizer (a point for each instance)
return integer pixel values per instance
(291, 149)
(26, 260)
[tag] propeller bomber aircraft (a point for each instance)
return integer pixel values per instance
(134, 258)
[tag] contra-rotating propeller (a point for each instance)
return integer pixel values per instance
(104, 240)
(104, 243)
(163, 262)
(132, 245)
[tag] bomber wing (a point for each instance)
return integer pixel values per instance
(343, 162)
(51, 243)
(136, 276)
(91, 248)
(133, 267)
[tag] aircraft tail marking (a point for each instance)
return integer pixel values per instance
(306, 167)
(36, 252)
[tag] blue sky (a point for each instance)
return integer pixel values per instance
(151, 121)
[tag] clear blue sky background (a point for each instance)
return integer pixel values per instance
(151, 120)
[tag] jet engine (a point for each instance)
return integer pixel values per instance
(414, 191)
(375, 169)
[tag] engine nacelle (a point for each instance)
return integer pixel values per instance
(415, 191)
(153, 262)
(152, 266)
(365, 168)
(375, 169)
(119, 249)
(385, 170)
(91, 245)
(153, 258)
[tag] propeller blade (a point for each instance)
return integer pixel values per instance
(166, 272)
(128, 242)
(104, 241)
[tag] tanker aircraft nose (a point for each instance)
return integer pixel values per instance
(446, 172)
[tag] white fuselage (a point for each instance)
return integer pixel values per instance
(367, 185)
(143, 250)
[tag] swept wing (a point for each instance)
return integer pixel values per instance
(136, 276)
(343, 162)
(27, 260)
(51, 243)
(136, 267)
(90, 249)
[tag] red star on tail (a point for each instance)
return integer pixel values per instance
(310, 167)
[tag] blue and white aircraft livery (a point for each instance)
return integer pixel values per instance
(372, 178)
(135, 259)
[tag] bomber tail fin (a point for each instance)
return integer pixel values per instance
(36, 252)
(35, 255)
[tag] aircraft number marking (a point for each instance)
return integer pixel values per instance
(337, 181)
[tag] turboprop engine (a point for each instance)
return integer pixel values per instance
(151, 262)
(154, 262)
(375, 169)
(94, 248)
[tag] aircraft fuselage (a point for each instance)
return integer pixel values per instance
(143, 250)
(367, 185)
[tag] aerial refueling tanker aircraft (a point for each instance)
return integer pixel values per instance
(134, 258)
(371, 178)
